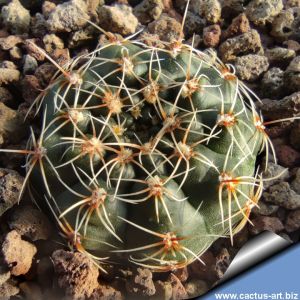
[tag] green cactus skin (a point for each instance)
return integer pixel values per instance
(147, 155)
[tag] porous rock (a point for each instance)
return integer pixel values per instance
(196, 288)
(211, 35)
(15, 17)
(167, 28)
(178, 290)
(11, 125)
(282, 195)
(245, 43)
(106, 292)
(17, 253)
(148, 10)
(10, 187)
(9, 75)
(293, 221)
(223, 260)
(292, 75)
(264, 223)
(286, 24)
(295, 184)
(52, 42)
(287, 156)
(30, 222)
(295, 134)
(272, 84)
(8, 289)
(262, 11)
(250, 67)
(287, 107)
(68, 16)
(163, 290)
(77, 274)
(239, 25)
(141, 283)
(117, 19)
(210, 10)
(6, 43)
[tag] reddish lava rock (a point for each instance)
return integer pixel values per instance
(211, 35)
(287, 156)
(17, 253)
(264, 223)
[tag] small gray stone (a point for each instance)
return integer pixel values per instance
(29, 64)
(262, 11)
(7, 64)
(117, 19)
(178, 290)
(294, 135)
(141, 283)
(223, 261)
(292, 75)
(250, 67)
(68, 16)
(233, 6)
(10, 41)
(8, 289)
(196, 287)
(193, 24)
(163, 290)
(5, 96)
(265, 209)
(292, 3)
(47, 8)
(77, 274)
(52, 42)
(293, 221)
(273, 171)
(16, 17)
(287, 107)
(245, 43)
(296, 182)
(148, 10)
(10, 186)
(286, 24)
(167, 28)
(4, 275)
(80, 37)
(281, 194)
(17, 253)
(263, 223)
(15, 53)
(39, 25)
(30, 222)
(9, 75)
(272, 84)
(279, 55)
(210, 10)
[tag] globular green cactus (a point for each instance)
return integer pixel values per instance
(146, 155)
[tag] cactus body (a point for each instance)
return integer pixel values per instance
(148, 155)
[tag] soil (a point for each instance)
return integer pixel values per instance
(261, 41)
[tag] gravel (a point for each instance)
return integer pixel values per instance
(118, 19)
(282, 195)
(261, 12)
(77, 274)
(15, 17)
(17, 253)
(68, 16)
(248, 42)
(250, 67)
